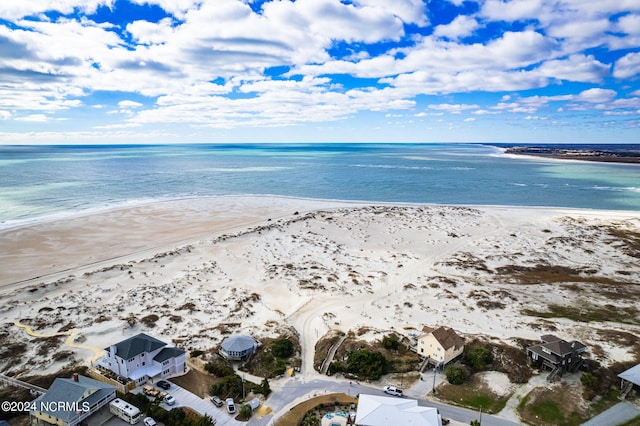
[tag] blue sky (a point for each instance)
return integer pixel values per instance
(146, 71)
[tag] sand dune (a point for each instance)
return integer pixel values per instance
(259, 265)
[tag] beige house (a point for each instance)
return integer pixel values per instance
(440, 345)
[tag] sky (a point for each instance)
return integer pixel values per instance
(174, 71)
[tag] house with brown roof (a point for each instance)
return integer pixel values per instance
(557, 355)
(441, 345)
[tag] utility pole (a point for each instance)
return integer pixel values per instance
(433, 389)
(242, 387)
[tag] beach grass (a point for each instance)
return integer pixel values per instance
(588, 313)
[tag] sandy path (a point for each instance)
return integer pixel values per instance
(71, 335)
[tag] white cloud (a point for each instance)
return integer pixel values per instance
(33, 118)
(628, 66)
(469, 119)
(146, 32)
(596, 95)
(500, 10)
(19, 9)
(461, 26)
(629, 24)
(576, 67)
(453, 108)
(129, 104)
(4, 115)
(206, 64)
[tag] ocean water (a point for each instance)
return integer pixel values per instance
(41, 182)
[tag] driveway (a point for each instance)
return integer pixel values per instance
(184, 398)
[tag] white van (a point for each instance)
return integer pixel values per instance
(392, 390)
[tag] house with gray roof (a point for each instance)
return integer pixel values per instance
(629, 380)
(238, 347)
(557, 355)
(68, 402)
(143, 358)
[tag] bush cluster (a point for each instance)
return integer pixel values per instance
(456, 374)
(219, 368)
(362, 363)
(231, 386)
(391, 342)
(478, 357)
(282, 348)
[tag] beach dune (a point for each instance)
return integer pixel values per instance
(193, 271)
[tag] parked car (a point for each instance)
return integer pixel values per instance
(392, 390)
(169, 400)
(163, 384)
(216, 401)
(231, 406)
(148, 421)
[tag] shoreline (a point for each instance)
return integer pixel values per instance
(168, 224)
(132, 204)
(574, 155)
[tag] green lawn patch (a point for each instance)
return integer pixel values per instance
(472, 395)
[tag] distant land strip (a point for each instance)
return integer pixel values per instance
(586, 154)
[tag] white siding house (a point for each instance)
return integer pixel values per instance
(142, 358)
(440, 345)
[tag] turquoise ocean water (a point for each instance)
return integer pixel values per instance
(43, 182)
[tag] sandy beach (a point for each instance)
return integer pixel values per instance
(209, 267)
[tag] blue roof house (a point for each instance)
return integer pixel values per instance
(68, 402)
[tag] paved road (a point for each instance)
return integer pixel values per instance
(296, 390)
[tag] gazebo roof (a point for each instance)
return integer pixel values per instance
(631, 375)
(238, 344)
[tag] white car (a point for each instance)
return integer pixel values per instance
(169, 400)
(148, 421)
(231, 406)
(392, 390)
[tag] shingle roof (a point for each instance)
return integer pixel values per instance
(447, 337)
(558, 346)
(68, 390)
(136, 345)
(168, 353)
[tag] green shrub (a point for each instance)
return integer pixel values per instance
(265, 388)
(478, 357)
(391, 342)
(589, 380)
(282, 348)
(336, 367)
(456, 375)
(219, 368)
(370, 365)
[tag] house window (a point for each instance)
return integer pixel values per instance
(143, 363)
(422, 350)
(439, 349)
(166, 362)
(131, 360)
